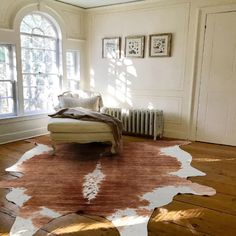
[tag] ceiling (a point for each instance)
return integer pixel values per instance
(95, 3)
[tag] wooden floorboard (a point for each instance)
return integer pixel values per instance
(219, 186)
(186, 215)
(194, 219)
(219, 202)
(5, 223)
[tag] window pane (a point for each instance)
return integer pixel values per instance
(40, 92)
(29, 80)
(5, 64)
(51, 62)
(37, 24)
(73, 70)
(6, 106)
(2, 71)
(25, 27)
(73, 85)
(38, 64)
(5, 89)
(36, 20)
(71, 65)
(6, 98)
(25, 41)
(39, 61)
(26, 60)
(50, 44)
(33, 93)
(2, 54)
(48, 28)
(37, 42)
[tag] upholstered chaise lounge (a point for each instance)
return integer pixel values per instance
(67, 130)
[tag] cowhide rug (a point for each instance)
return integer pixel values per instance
(123, 188)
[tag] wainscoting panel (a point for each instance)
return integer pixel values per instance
(13, 129)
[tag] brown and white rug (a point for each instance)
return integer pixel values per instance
(123, 188)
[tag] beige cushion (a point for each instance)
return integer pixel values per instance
(67, 125)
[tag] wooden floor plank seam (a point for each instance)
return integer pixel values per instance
(196, 231)
(204, 207)
(7, 213)
(227, 194)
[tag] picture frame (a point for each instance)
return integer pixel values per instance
(134, 46)
(160, 45)
(111, 47)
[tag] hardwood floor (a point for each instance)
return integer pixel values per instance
(186, 215)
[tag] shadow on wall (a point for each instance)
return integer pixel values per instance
(120, 74)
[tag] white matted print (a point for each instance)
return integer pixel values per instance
(111, 47)
(160, 45)
(134, 46)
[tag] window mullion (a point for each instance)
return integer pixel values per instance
(38, 35)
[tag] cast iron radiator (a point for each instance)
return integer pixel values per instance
(139, 121)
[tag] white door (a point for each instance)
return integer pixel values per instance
(217, 102)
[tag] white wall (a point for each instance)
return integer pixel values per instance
(162, 83)
(72, 26)
(143, 82)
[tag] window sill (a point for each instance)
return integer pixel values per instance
(12, 119)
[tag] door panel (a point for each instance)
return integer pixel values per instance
(217, 102)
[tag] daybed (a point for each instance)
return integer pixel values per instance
(67, 130)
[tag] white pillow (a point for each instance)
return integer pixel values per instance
(88, 103)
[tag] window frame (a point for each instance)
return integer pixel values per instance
(57, 50)
(12, 81)
(64, 44)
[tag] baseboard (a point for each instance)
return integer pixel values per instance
(175, 134)
(11, 137)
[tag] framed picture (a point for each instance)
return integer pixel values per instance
(160, 45)
(134, 46)
(111, 47)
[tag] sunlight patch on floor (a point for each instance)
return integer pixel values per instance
(78, 227)
(165, 215)
(130, 220)
(213, 159)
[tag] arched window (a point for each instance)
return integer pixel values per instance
(40, 62)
